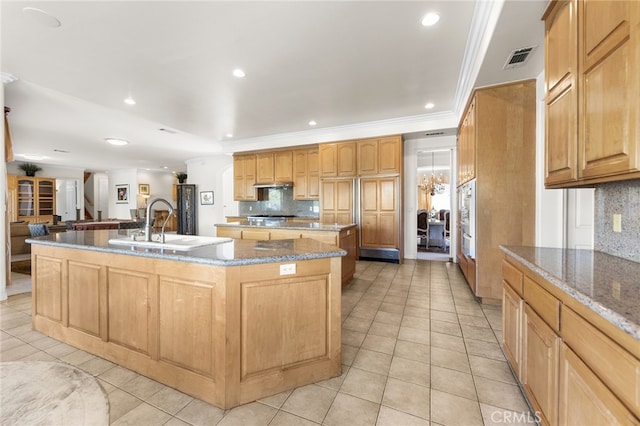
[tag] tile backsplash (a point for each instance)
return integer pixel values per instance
(618, 198)
(278, 201)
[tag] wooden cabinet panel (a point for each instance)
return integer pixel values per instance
(467, 145)
(368, 157)
(51, 294)
(283, 163)
(265, 168)
(86, 282)
(244, 172)
(347, 159)
(128, 309)
(306, 179)
(379, 212)
(561, 143)
(182, 305)
(328, 153)
(336, 202)
(390, 155)
(313, 174)
(255, 234)
(584, 399)
(511, 326)
(547, 306)
(35, 199)
(513, 277)
(539, 368)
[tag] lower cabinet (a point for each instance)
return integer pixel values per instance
(572, 372)
(539, 368)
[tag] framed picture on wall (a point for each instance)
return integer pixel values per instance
(143, 189)
(122, 194)
(206, 197)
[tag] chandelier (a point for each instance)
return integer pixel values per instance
(434, 184)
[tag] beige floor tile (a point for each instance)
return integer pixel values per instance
(283, 418)
(118, 376)
(391, 308)
(60, 350)
(447, 341)
(500, 394)
(249, 414)
(364, 384)
(450, 359)
(44, 343)
(414, 335)
(491, 369)
(200, 413)
(473, 320)
(39, 356)
(419, 303)
(388, 317)
(478, 333)
(143, 415)
(311, 402)
(453, 381)
(349, 410)
(414, 351)
(107, 387)
(384, 329)
(352, 338)
(356, 324)
(390, 417)
(412, 311)
(31, 335)
(415, 322)
(348, 354)
(170, 400)
(17, 353)
(174, 421)
(379, 343)
(449, 409)
(407, 397)
(12, 342)
(142, 387)
(396, 300)
(444, 307)
(496, 416)
(335, 382)
(78, 357)
(364, 312)
(410, 371)
(445, 327)
(376, 362)
(484, 349)
(120, 403)
(470, 308)
(278, 399)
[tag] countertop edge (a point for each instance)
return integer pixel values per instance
(608, 314)
(289, 225)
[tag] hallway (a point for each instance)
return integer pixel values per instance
(417, 350)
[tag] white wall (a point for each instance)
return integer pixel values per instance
(411, 148)
(122, 177)
(207, 174)
(160, 186)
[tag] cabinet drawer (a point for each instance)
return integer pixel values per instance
(616, 367)
(284, 235)
(327, 238)
(545, 305)
(512, 276)
(255, 234)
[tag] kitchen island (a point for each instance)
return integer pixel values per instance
(228, 323)
(343, 236)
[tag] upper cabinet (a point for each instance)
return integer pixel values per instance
(34, 198)
(338, 159)
(274, 166)
(467, 145)
(379, 156)
(592, 92)
(244, 176)
(306, 179)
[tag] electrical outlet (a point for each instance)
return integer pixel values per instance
(615, 290)
(250, 208)
(617, 222)
(288, 269)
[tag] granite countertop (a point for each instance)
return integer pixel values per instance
(608, 285)
(314, 226)
(232, 253)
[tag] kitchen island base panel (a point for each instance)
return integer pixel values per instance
(226, 335)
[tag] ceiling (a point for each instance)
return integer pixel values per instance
(354, 67)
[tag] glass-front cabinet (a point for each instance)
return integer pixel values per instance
(36, 199)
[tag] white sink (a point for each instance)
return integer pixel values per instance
(172, 242)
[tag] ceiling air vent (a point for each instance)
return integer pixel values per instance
(434, 134)
(518, 57)
(164, 129)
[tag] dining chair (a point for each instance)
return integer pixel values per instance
(38, 229)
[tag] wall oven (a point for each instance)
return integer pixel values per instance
(468, 218)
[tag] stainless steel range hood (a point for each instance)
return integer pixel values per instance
(281, 185)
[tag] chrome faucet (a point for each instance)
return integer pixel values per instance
(147, 225)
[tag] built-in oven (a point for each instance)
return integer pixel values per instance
(467, 204)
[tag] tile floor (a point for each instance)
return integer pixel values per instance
(417, 350)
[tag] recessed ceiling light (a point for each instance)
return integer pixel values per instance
(238, 73)
(117, 142)
(312, 123)
(165, 167)
(33, 157)
(229, 135)
(429, 105)
(130, 101)
(42, 17)
(430, 19)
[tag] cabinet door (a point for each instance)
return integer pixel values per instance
(244, 167)
(300, 178)
(250, 193)
(379, 212)
(186, 207)
(26, 198)
(283, 161)
(390, 155)
(610, 84)
(12, 196)
(46, 202)
(347, 159)
(328, 160)
(511, 326)
(368, 157)
(471, 141)
(265, 172)
(561, 60)
(584, 399)
(313, 175)
(336, 202)
(539, 368)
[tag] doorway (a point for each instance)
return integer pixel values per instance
(434, 205)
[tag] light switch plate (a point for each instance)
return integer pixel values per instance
(288, 269)
(617, 222)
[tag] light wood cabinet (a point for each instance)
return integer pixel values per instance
(12, 198)
(244, 177)
(497, 141)
(336, 201)
(539, 368)
(512, 306)
(379, 156)
(592, 92)
(338, 159)
(306, 178)
(274, 166)
(379, 209)
(34, 198)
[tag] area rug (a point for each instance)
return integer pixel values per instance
(21, 266)
(50, 393)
